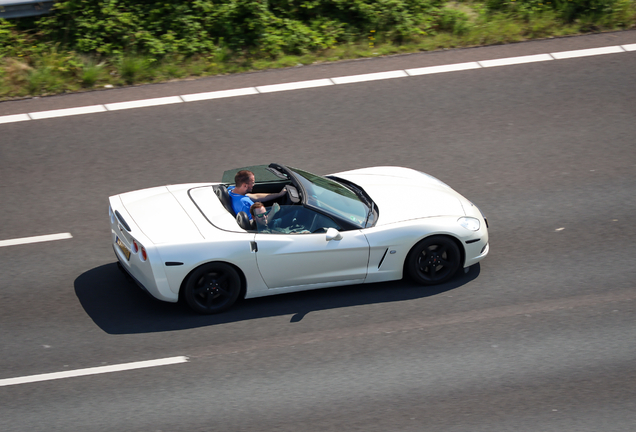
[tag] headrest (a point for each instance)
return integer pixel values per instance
(224, 197)
(245, 222)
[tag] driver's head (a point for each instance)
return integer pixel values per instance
(259, 214)
(244, 177)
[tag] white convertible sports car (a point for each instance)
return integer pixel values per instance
(362, 226)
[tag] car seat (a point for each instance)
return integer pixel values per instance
(224, 197)
(245, 222)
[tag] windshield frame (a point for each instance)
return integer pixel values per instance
(364, 218)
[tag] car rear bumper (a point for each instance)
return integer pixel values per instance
(128, 275)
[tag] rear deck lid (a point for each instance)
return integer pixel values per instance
(160, 216)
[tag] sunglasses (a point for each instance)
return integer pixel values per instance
(262, 215)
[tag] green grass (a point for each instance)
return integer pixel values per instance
(47, 69)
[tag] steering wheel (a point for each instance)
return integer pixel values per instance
(293, 196)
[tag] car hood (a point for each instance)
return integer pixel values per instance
(404, 194)
(160, 216)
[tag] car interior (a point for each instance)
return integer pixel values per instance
(292, 216)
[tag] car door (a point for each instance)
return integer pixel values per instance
(298, 259)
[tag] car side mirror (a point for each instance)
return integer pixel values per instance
(333, 234)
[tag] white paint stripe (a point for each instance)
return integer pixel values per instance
(219, 94)
(67, 112)
(443, 68)
(294, 85)
(587, 52)
(516, 60)
(36, 239)
(14, 118)
(144, 103)
(315, 83)
(93, 371)
(369, 77)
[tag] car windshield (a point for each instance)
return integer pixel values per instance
(333, 197)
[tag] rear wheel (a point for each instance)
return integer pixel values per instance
(212, 288)
(434, 260)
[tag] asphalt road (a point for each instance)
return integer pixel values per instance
(539, 337)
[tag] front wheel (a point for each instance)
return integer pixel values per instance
(212, 288)
(434, 260)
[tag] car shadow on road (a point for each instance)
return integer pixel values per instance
(118, 306)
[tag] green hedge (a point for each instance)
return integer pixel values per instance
(260, 27)
(567, 10)
(201, 26)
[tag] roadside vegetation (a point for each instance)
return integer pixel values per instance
(90, 44)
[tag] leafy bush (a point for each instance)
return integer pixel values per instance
(568, 10)
(114, 27)
(15, 43)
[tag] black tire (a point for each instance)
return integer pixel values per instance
(434, 260)
(212, 288)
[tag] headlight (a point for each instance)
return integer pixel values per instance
(469, 223)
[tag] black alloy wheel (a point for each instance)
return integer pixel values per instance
(434, 260)
(212, 288)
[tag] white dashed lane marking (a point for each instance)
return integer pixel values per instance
(516, 60)
(14, 118)
(442, 69)
(219, 94)
(67, 112)
(294, 85)
(317, 83)
(92, 371)
(144, 103)
(36, 239)
(588, 52)
(369, 77)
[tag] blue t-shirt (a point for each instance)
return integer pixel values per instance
(240, 202)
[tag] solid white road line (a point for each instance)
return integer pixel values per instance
(218, 94)
(143, 103)
(587, 52)
(36, 239)
(67, 112)
(444, 68)
(318, 83)
(14, 118)
(515, 60)
(369, 77)
(93, 371)
(294, 85)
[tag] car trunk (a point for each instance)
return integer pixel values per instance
(160, 216)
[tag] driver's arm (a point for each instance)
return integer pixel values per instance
(262, 197)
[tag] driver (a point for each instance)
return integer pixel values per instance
(242, 199)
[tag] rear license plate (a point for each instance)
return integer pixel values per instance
(123, 248)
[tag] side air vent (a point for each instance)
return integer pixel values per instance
(383, 256)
